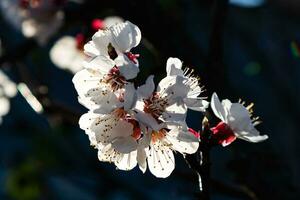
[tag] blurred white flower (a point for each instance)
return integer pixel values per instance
(8, 90)
(66, 55)
(236, 122)
(37, 19)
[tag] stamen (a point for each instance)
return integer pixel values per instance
(132, 57)
(158, 135)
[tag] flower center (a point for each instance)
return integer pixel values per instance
(158, 135)
(132, 57)
(223, 134)
(155, 105)
(114, 79)
(120, 113)
(136, 128)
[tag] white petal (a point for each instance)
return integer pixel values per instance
(125, 36)
(91, 50)
(194, 91)
(217, 107)
(196, 104)
(84, 80)
(147, 120)
(127, 68)
(143, 151)
(106, 153)
(173, 86)
(238, 117)
(253, 138)
(4, 106)
(161, 160)
(142, 159)
(175, 113)
(100, 63)
(92, 138)
(87, 119)
(130, 96)
(93, 94)
(112, 20)
(174, 66)
(109, 127)
(146, 90)
(101, 40)
(126, 161)
(182, 141)
(125, 144)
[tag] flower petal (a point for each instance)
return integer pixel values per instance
(87, 119)
(90, 49)
(126, 161)
(196, 104)
(146, 90)
(130, 96)
(160, 160)
(147, 120)
(100, 63)
(127, 68)
(252, 137)
(100, 41)
(5, 106)
(125, 36)
(217, 107)
(125, 144)
(174, 66)
(182, 140)
(109, 127)
(175, 113)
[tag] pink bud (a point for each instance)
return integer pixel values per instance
(97, 24)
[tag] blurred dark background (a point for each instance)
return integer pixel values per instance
(247, 50)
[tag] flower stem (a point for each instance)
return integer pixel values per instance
(200, 161)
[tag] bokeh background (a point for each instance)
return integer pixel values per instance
(248, 49)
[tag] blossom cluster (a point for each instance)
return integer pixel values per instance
(143, 125)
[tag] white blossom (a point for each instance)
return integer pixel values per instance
(37, 19)
(236, 121)
(65, 54)
(8, 90)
